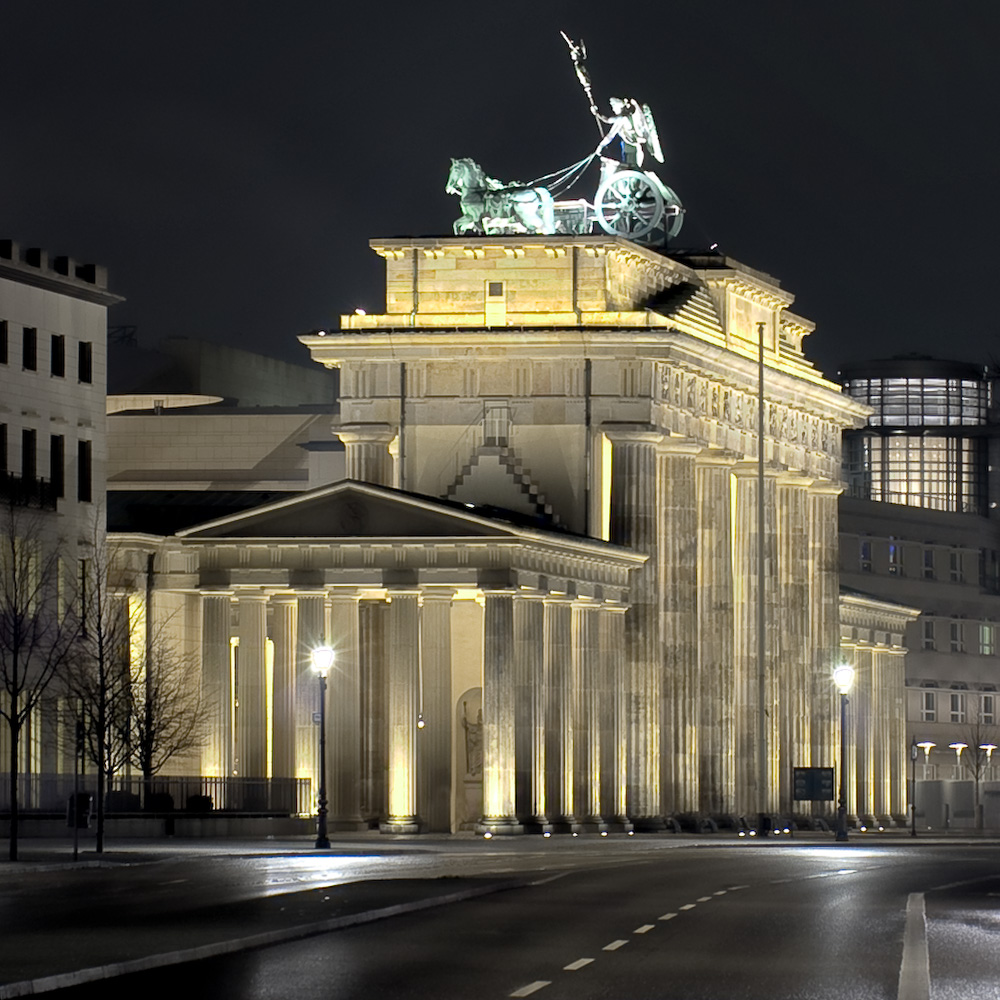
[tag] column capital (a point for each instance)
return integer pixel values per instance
(631, 433)
(749, 469)
(363, 433)
(678, 446)
(716, 457)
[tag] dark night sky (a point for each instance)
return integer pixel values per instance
(229, 161)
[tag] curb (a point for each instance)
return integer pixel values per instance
(46, 984)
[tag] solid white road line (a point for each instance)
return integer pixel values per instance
(644, 929)
(526, 991)
(914, 970)
(615, 945)
(578, 964)
(667, 916)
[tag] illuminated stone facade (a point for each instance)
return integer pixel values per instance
(612, 391)
(540, 575)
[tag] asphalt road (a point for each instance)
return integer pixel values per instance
(628, 920)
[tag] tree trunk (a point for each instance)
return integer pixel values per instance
(14, 754)
(100, 796)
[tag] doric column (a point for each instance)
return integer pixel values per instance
(343, 738)
(716, 675)
(614, 731)
(367, 451)
(861, 703)
(893, 665)
(498, 714)
(881, 725)
(586, 716)
(677, 545)
(824, 621)
(529, 711)
(792, 665)
(251, 694)
(634, 525)
(559, 714)
(755, 790)
(311, 632)
(216, 680)
(403, 654)
(284, 635)
(434, 740)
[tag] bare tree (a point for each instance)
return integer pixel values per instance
(980, 736)
(168, 717)
(99, 679)
(37, 628)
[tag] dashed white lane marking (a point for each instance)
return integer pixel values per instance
(914, 970)
(526, 991)
(174, 881)
(689, 906)
(704, 899)
(780, 881)
(615, 945)
(667, 916)
(733, 888)
(644, 929)
(578, 964)
(721, 892)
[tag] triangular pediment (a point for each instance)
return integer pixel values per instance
(351, 510)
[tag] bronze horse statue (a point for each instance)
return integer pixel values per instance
(491, 207)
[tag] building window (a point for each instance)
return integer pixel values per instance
(895, 558)
(957, 707)
(58, 355)
(3, 341)
(83, 471)
(928, 706)
(928, 564)
(494, 289)
(29, 349)
(988, 710)
(986, 640)
(988, 713)
(929, 634)
(957, 644)
(989, 570)
(29, 454)
(865, 556)
(955, 567)
(85, 365)
(57, 464)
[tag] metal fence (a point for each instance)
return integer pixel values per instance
(51, 792)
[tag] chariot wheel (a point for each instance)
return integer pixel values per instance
(628, 204)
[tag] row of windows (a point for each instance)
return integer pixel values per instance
(958, 706)
(57, 354)
(936, 473)
(57, 462)
(903, 402)
(934, 563)
(960, 636)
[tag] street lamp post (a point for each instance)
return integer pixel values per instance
(914, 752)
(322, 660)
(843, 677)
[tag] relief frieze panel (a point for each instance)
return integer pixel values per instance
(722, 415)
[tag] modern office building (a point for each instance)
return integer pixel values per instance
(919, 525)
